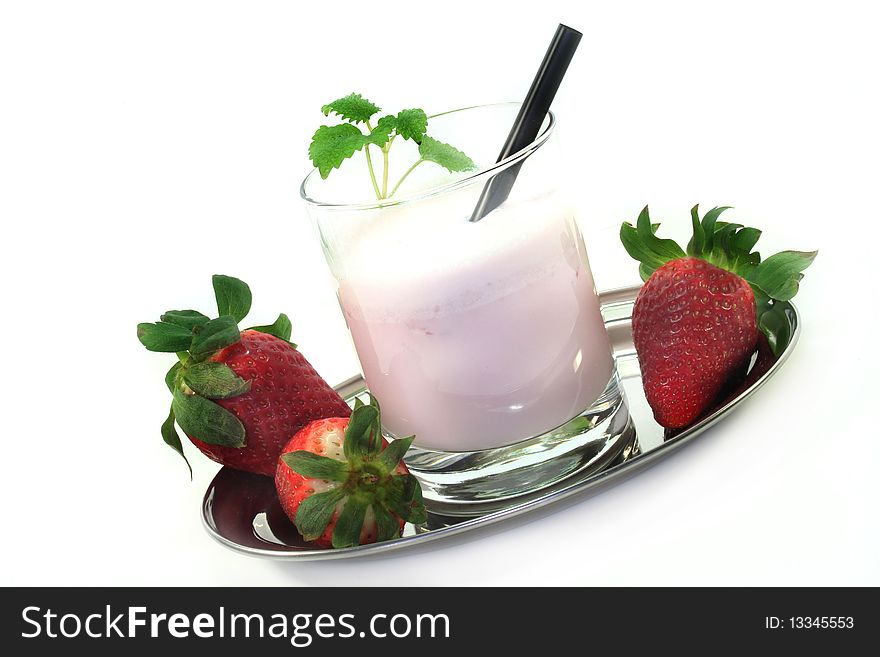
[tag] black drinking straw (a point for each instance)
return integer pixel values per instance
(531, 115)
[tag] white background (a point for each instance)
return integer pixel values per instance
(145, 146)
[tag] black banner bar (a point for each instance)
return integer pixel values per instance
(432, 620)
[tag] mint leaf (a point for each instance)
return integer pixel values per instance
(333, 144)
(353, 107)
(448, 157)
(381, 134)
(412, 124)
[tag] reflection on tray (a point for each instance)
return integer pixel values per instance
(760, 363)
(241, 510)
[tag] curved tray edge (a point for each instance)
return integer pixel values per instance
(564, 490)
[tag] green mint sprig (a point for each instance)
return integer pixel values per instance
(333, 144)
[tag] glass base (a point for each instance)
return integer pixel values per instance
(473, 483)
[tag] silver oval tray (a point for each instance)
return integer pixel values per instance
(241, 510)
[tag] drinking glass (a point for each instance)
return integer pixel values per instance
(483, 339)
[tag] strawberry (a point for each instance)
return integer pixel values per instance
(238, 395)
(697, 320)
(342, 484)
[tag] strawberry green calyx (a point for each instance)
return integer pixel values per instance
(727, 246)
(195, 381)
(368, 478)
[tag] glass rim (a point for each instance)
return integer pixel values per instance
(480, 174)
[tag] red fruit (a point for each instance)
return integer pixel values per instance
(696, 321)
(694, 325)
(285, 395)
(238, 395)
(342, 484)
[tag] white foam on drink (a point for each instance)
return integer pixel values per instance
(427, 259)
